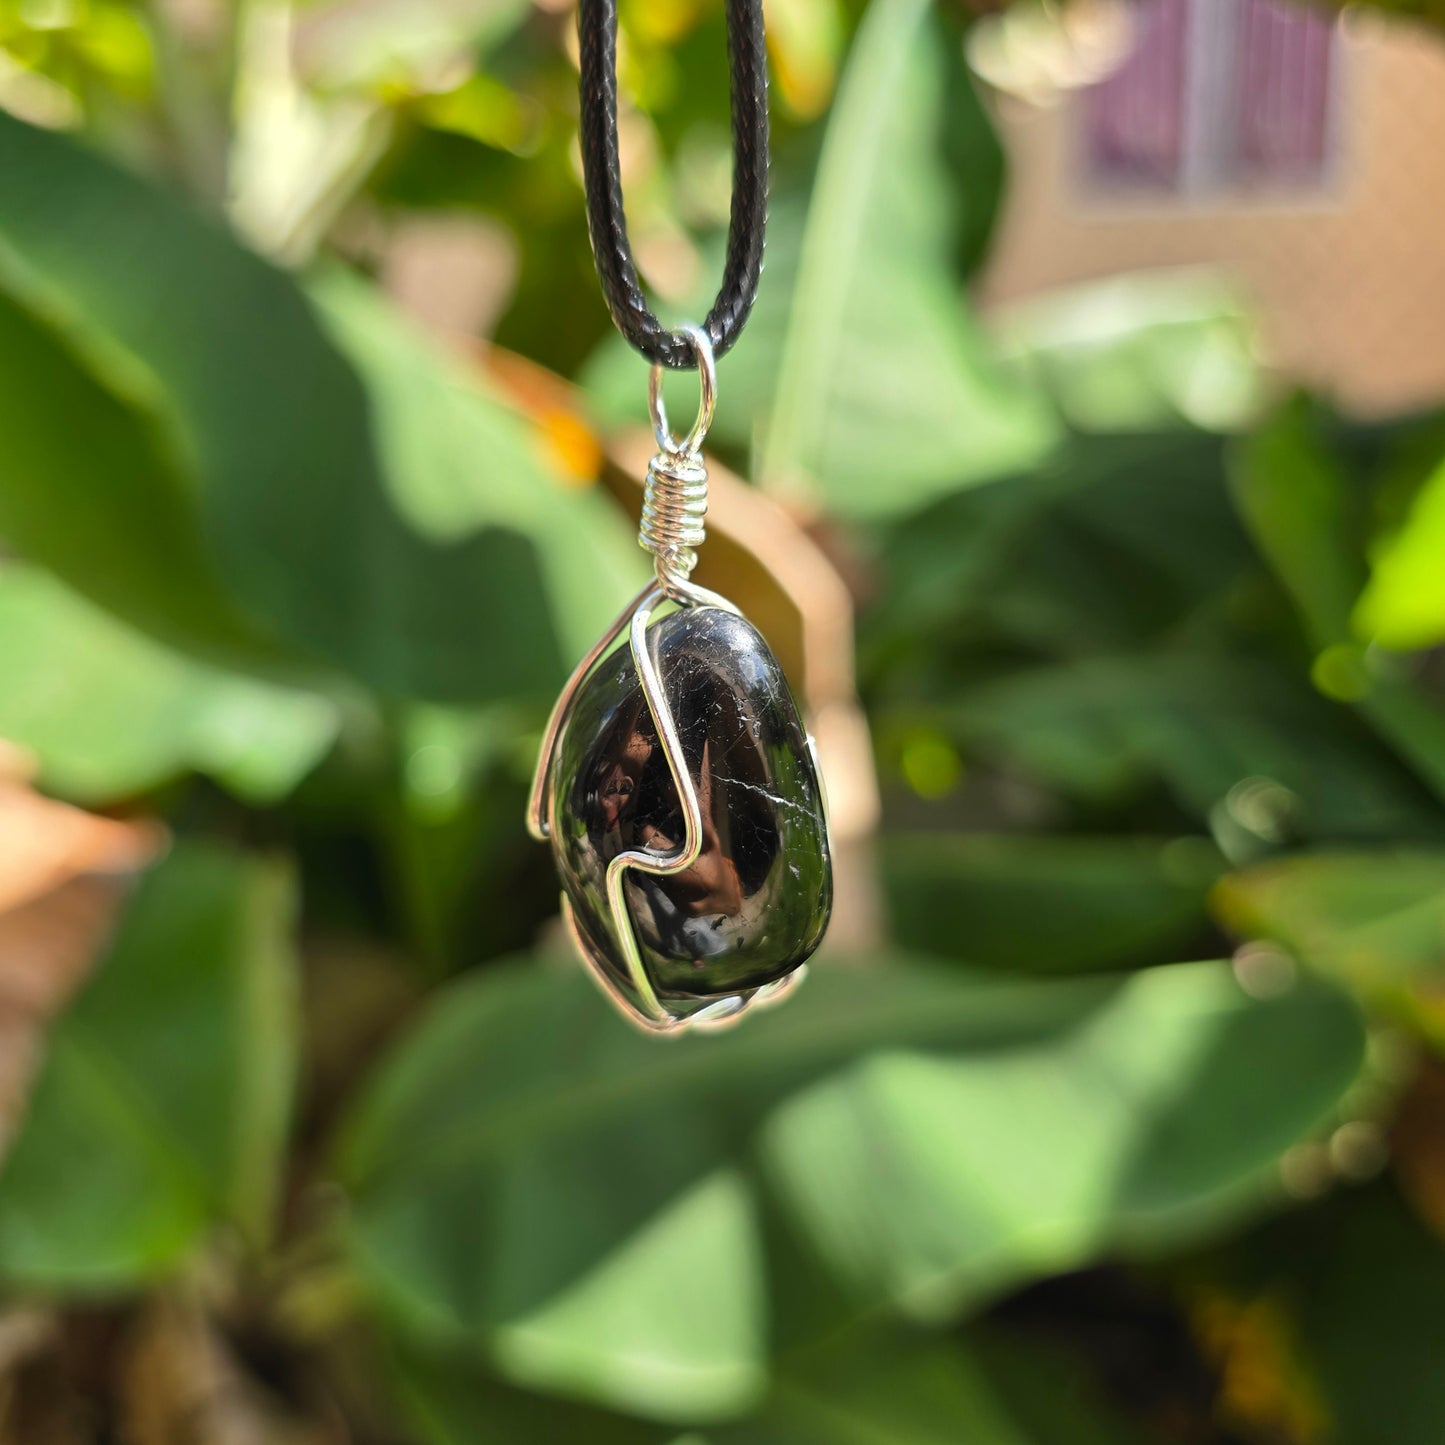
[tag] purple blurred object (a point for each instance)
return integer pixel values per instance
(1216, 95)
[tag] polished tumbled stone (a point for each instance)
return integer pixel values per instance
(756, 903)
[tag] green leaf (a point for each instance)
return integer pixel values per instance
(1119, 541)
(933, 1180)
(574, 1283)
(1046, 904)
(867, 1386)
(1204, 723)
(1404, 604)
(1125, 561)
(1372, 1326)
(1375, 920)
(1293, 496)
(1139, 352)
(458, 463)
(874, 1387)
(92, 485)
(659, 1347)
(375, 521)
(887, 396)
(453, 1400)
(108, 713)
(164, 1101)
(525, 1170)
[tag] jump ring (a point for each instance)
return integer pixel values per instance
(701, 345)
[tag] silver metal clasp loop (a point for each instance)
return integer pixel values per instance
(690, 444)
(674, 498)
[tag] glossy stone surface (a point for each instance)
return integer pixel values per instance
(757, 901)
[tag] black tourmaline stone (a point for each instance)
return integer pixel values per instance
(755, 904)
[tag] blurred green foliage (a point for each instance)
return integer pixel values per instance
(1143, 650)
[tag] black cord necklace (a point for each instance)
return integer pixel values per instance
(606, 220)
(675, 783)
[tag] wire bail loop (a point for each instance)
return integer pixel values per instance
(674, 502)
(702, 349)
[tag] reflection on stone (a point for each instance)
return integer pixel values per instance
(755, 904)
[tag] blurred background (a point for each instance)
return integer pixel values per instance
(1085, 465)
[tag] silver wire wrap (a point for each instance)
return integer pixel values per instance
(674, 501)
(674, 509)
(643, 1008)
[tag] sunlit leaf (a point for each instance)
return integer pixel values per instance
(1294, 497)
(295, 155)
(1373, 919)
(163, 1104)
(92, 484)
(805, 38)
(1404, 604)
(522, 1145)
(1138, 352)
(931, 1178)
(886, 396)
(457, 462)
(109, 713)
(693, 1338)
(361, 536)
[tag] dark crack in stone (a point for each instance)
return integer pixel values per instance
(756, 903)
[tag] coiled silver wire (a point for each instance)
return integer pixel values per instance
(674, 512)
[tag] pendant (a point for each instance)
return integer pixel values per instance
(679, 792)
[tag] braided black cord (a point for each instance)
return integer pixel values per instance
(606, 221)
